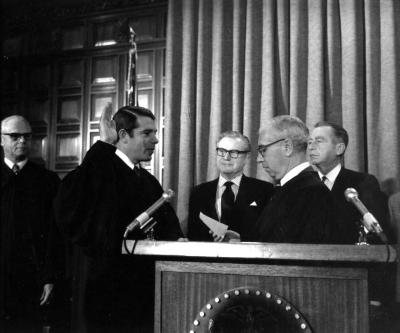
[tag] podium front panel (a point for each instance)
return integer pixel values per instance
(332, 299)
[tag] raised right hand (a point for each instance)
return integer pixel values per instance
(108, 131)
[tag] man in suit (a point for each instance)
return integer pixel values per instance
(300, 211)
(95, 204)
(232, 198)
(326, 148)
(28, 242)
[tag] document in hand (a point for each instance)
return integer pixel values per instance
(216, 227)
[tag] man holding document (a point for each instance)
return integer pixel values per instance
(232, 201)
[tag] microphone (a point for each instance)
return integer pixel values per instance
(145, 218)
(369, 220)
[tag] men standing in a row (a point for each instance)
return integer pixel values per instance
(28, 247)
(300, 211)
(96, 202)
(233, 198)
(326, 148)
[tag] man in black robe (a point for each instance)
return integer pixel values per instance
(28, 245)
(300, 211)
(326, 147)
(95, 204)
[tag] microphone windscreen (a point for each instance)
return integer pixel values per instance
(350, 193)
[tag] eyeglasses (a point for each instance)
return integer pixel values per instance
(262, 148)
(232, 153)
(17, 136)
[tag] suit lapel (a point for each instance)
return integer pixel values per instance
(209, 196)
(243, 192)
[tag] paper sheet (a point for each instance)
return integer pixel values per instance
(217, 228)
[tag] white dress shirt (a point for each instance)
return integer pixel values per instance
(331, 176)
(10, 164)
(294, 172)
(126, 159)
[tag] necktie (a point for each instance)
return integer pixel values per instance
(15, 169)
(227, 203)
(325, 180)
(137, 171)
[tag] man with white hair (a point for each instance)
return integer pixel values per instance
(300, 211)
(232, 198)
(28, 248)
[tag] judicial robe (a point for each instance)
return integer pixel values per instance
(95, 204)
(300, 211)
(29, 248)
(369, 193)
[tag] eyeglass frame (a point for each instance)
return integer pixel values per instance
(17, 136)
(261, 149)
(230, 152)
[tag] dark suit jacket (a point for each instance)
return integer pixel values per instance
(369, 193)
(203, 197)
(299, 212)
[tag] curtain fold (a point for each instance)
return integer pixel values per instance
(233, 64)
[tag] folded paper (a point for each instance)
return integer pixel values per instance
(216, 227)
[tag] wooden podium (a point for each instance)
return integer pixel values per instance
(328, 284)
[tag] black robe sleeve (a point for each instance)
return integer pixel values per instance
(84, 206)
(95, 203)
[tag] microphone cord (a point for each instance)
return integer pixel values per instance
(134, 242)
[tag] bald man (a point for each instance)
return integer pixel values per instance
(300, 211)
(28, 250)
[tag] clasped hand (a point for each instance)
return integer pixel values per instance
(229, 236)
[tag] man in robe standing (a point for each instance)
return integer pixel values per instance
(300, 211)
(95, 204)
(326, 147)
(28, 242)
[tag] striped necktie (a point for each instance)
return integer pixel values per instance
(326, 181)
(16, 169)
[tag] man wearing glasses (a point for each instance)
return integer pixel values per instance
(27, 243)
(300, 210)
(233, 198)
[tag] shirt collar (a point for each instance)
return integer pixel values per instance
(331, 175)
(236, 180)
(124, 158)
(10, 164)
(294, 172)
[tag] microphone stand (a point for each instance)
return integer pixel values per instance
(362, 236)
(147, 229)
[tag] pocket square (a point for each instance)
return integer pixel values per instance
(253, 204)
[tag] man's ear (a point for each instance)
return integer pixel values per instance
(288, 146)
(340, 148)
(122, 134)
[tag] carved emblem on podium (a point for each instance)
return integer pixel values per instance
(249, 310)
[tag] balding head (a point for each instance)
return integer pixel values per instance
(15, 138)
(10, 123)
(282, 145)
